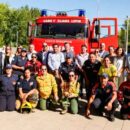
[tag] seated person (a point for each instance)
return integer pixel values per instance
(70, 93)
(103, 97)
(27, 90)
(46, 86)
(124, 98)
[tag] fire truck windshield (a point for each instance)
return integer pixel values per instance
(61, 30)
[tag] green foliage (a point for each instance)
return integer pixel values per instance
(13, 23)
(122, 34)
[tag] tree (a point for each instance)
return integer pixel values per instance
(13, 23)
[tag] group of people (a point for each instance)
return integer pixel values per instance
(50, 78)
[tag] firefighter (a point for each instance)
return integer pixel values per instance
(90, 70)
(103, 98)
(19, 62)
(124, 98)
(70, 93)
(46, 86)
(7, 89)
(27, 90)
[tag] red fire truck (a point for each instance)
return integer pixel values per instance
(76, 30)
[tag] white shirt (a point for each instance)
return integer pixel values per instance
(55, 59)
(81, 58)
(29, 55)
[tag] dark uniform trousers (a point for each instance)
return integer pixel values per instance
(7, 92)
(103, 96)
(7, 102)
(99, 105)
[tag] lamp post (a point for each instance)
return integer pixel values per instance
(127, 34)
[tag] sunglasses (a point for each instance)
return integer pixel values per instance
(71, 75)
(44, 45)
(43, 69)
(34, 57)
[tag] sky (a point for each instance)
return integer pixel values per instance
(94, 8)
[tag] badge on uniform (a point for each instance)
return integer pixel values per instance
(14, 82)
(31, 83)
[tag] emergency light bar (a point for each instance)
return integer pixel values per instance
(82, 12)
(44, 12)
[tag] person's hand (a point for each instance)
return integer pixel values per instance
(66, 94)
(71, 95)
(129, 104)
(56, 98)
(109, 106)
(25, 97)
(21, 68)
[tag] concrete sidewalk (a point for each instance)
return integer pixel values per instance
(49, 120)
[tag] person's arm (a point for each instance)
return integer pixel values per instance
(55, 89)
(114, 97)
(50, 62)
(21, 94)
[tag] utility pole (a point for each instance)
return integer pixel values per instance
(127, 34)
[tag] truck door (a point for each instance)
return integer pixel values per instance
(104, 30)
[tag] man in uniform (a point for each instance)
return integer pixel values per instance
(103, 97)
(19, 62)
(68, 66)
(124, 98)
(7, 89)
(90, 69)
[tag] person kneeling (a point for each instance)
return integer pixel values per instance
(70, 93)
(28, 95)
(46, 85)
(103, 98)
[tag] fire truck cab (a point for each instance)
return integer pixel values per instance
(76, 30)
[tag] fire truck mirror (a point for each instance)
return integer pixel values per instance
(97, 29)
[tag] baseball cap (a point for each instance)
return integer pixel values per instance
(8, 66)
(104, 75)
(24, 50)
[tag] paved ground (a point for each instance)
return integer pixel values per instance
(49, 120)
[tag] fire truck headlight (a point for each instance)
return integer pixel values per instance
(44, 12)
(82, 12)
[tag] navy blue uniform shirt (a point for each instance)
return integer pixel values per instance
(18, 61)
(8, 84)
(27, 85)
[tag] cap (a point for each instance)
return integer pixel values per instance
(24, 50)
(104, 75)
(8, 66)
(69, 56)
